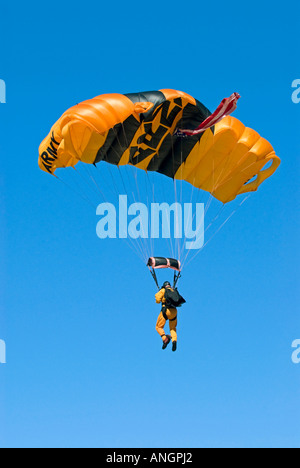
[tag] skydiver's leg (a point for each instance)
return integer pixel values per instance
(160, 324)
(173, 324)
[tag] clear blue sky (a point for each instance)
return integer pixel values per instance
(84, 363)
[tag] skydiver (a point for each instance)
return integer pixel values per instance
(167, 314)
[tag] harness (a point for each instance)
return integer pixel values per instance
(164, 312)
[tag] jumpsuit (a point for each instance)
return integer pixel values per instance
(170, 314)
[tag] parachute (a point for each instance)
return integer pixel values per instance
(168, 133)
(215, 154)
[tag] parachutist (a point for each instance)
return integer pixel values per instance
(170, 300)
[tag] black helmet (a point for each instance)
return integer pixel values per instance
(166, 284)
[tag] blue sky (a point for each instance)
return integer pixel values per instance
(84, 363)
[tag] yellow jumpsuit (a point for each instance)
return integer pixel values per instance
(171, 314)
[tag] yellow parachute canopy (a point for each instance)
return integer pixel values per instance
(141, 129)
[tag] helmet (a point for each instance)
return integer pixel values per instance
(166, 284)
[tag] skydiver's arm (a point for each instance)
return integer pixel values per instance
(159, 296)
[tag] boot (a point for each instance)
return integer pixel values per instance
(174, 346)
(166, 341)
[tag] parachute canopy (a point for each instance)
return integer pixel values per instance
(143, 130)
